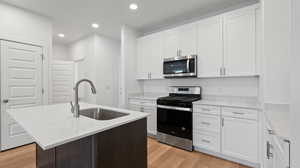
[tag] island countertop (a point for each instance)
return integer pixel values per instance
(53, 125)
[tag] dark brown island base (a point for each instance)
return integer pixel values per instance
(121, 147)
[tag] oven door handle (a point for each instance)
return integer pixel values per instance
(175, 108)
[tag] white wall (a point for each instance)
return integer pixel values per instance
(60, 52)
(23, 26)
(97, 58)
(128, 61)
(295, 84)
(276, 16)
(107, 70)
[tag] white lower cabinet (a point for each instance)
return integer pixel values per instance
(240, 139)
(207, 140)
(151, 119)
(276, 150)
(228, 132)
(206, 127)
(147, 106)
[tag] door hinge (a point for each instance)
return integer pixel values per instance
(43, 90)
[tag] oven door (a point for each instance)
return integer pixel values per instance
(175, 121)
(180, 66)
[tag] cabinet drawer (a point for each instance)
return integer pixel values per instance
(206, 140)
(206, 122)
(240, 113)
(205, 109)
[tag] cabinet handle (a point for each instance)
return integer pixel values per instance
(221, 71)
(205, 109)
(224, 73)
(205, 123)
(150, 75)
(179, 53)
(206, 141)
(222, 122)
(5, 101)
(269, 147)
(239, 113)
(271, 132)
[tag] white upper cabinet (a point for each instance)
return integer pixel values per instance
(227, 45)
(149, 55)
(141, 71)
(210, 47)
(181, 41)
(239, 42)
(187, 40)
(170, 43)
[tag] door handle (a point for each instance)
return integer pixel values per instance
(5, 101)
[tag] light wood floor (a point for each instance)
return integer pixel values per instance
(159, 156)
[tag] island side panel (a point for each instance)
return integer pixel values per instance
(45, 158)
(77, 154)
(122, 147)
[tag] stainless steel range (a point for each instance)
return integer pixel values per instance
(175, 116)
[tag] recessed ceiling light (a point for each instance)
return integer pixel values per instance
(133, 6)
(95, 26)
(61, 35)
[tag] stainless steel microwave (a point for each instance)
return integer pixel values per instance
(184, 66)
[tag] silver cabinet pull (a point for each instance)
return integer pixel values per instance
(239, 113)
(220, 71)
(269, 153)
(206, 141)
(5, 101)
(205, 123)
(224, 73)
(271, 132)
(222, 122)
(205, 109)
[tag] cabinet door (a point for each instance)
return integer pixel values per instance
(187, 39)
(210, 47)
(142, 72)
(150, 57)
(151, 120)
(239, 42)
(170, 43)
(153, 61)
(240, 139)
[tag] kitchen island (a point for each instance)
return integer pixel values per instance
(113, 140)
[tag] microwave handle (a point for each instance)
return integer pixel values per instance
(188, 66)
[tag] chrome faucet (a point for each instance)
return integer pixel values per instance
(76, 108)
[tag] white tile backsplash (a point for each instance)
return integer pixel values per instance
(235, 87)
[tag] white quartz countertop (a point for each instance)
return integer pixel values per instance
(249, 105)
(54, 125)
(148, 96)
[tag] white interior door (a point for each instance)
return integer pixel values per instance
(62, 81)
(21, 86)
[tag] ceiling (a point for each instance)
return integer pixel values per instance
(74, 17)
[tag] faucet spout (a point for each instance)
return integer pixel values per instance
(76, 104)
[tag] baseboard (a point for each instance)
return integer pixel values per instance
(220, 155)
(151, 135)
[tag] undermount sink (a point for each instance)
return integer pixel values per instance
(101, 114)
